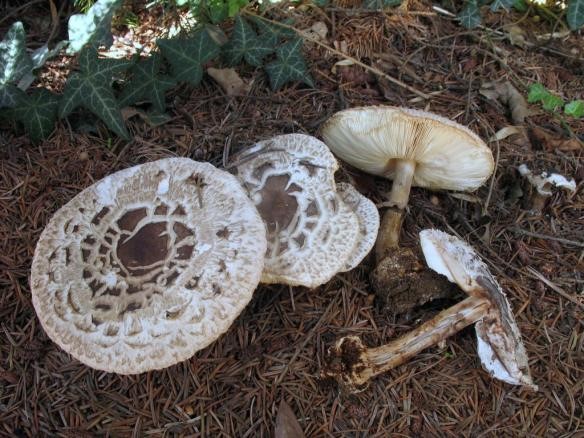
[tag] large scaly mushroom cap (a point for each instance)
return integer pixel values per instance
(499, 341)
(446, 155)
(148, 265)
(311, 231)
(368, 216)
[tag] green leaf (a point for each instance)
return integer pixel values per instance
(39, 57)
(245, 44)
(380, 4)
(234, 6)
(91, 88)
(8, 95)
(502, 4)
(145, 84)
(289, 65)
(36, 111)
(94, 27)
(470, 16)
(218, 10)
(520, 5)
(187, 56)
(272, 34)
(14, 61)
(539, 93)
(575, 14)
(575, 108)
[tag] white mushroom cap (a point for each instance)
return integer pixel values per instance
(447, 155)
(368, 216)
(500, 347)
(311, 231)
(148, 266)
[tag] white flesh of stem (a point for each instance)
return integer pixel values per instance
(442, 326)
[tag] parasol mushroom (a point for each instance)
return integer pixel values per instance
(500, 347)
(411, 147)
(133, 275)
(312, 232)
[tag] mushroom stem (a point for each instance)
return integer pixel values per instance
(355, 364)
(402, 183)
(391, 222)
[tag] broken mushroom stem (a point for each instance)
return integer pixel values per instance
(499, 344)
(388, 236)
(353, 364)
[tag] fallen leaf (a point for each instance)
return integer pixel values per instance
(516, 35)
(229, 80)
(318, 30)
(507, 94)
(545, 140)
(287, 425)
(505, 132)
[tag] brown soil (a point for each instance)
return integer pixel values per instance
(275, 349)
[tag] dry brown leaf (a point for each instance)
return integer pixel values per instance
(229, 80)
(516, 35)
(507, 94)
(507, 131)
(545, 140)
(287, 425)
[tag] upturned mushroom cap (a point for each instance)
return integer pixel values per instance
(148, 266)
(499, 342)
(311, 231)
(368, 216)
(447, 155)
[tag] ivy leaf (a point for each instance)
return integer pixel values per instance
(187, 56)
(8, 95)
(470, 16)
(245, 43)
(14, 61)
(39, 57)
(94, 27)
(91, 89)
(575, 108)
(575, 14)
(234, 6)
(37, 112)
(146, 84)
(505, 4)
(272, 34)
(380, 4)
(289, 65)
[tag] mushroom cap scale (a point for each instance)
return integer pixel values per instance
(447, 155)
(136, 274)
(500, 347)
(311, 230)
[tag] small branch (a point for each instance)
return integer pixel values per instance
(546, 237)
(373, 70)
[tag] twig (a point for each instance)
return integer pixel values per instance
(373, 70)
(503, 34)
(547, 237)
(558, 289)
